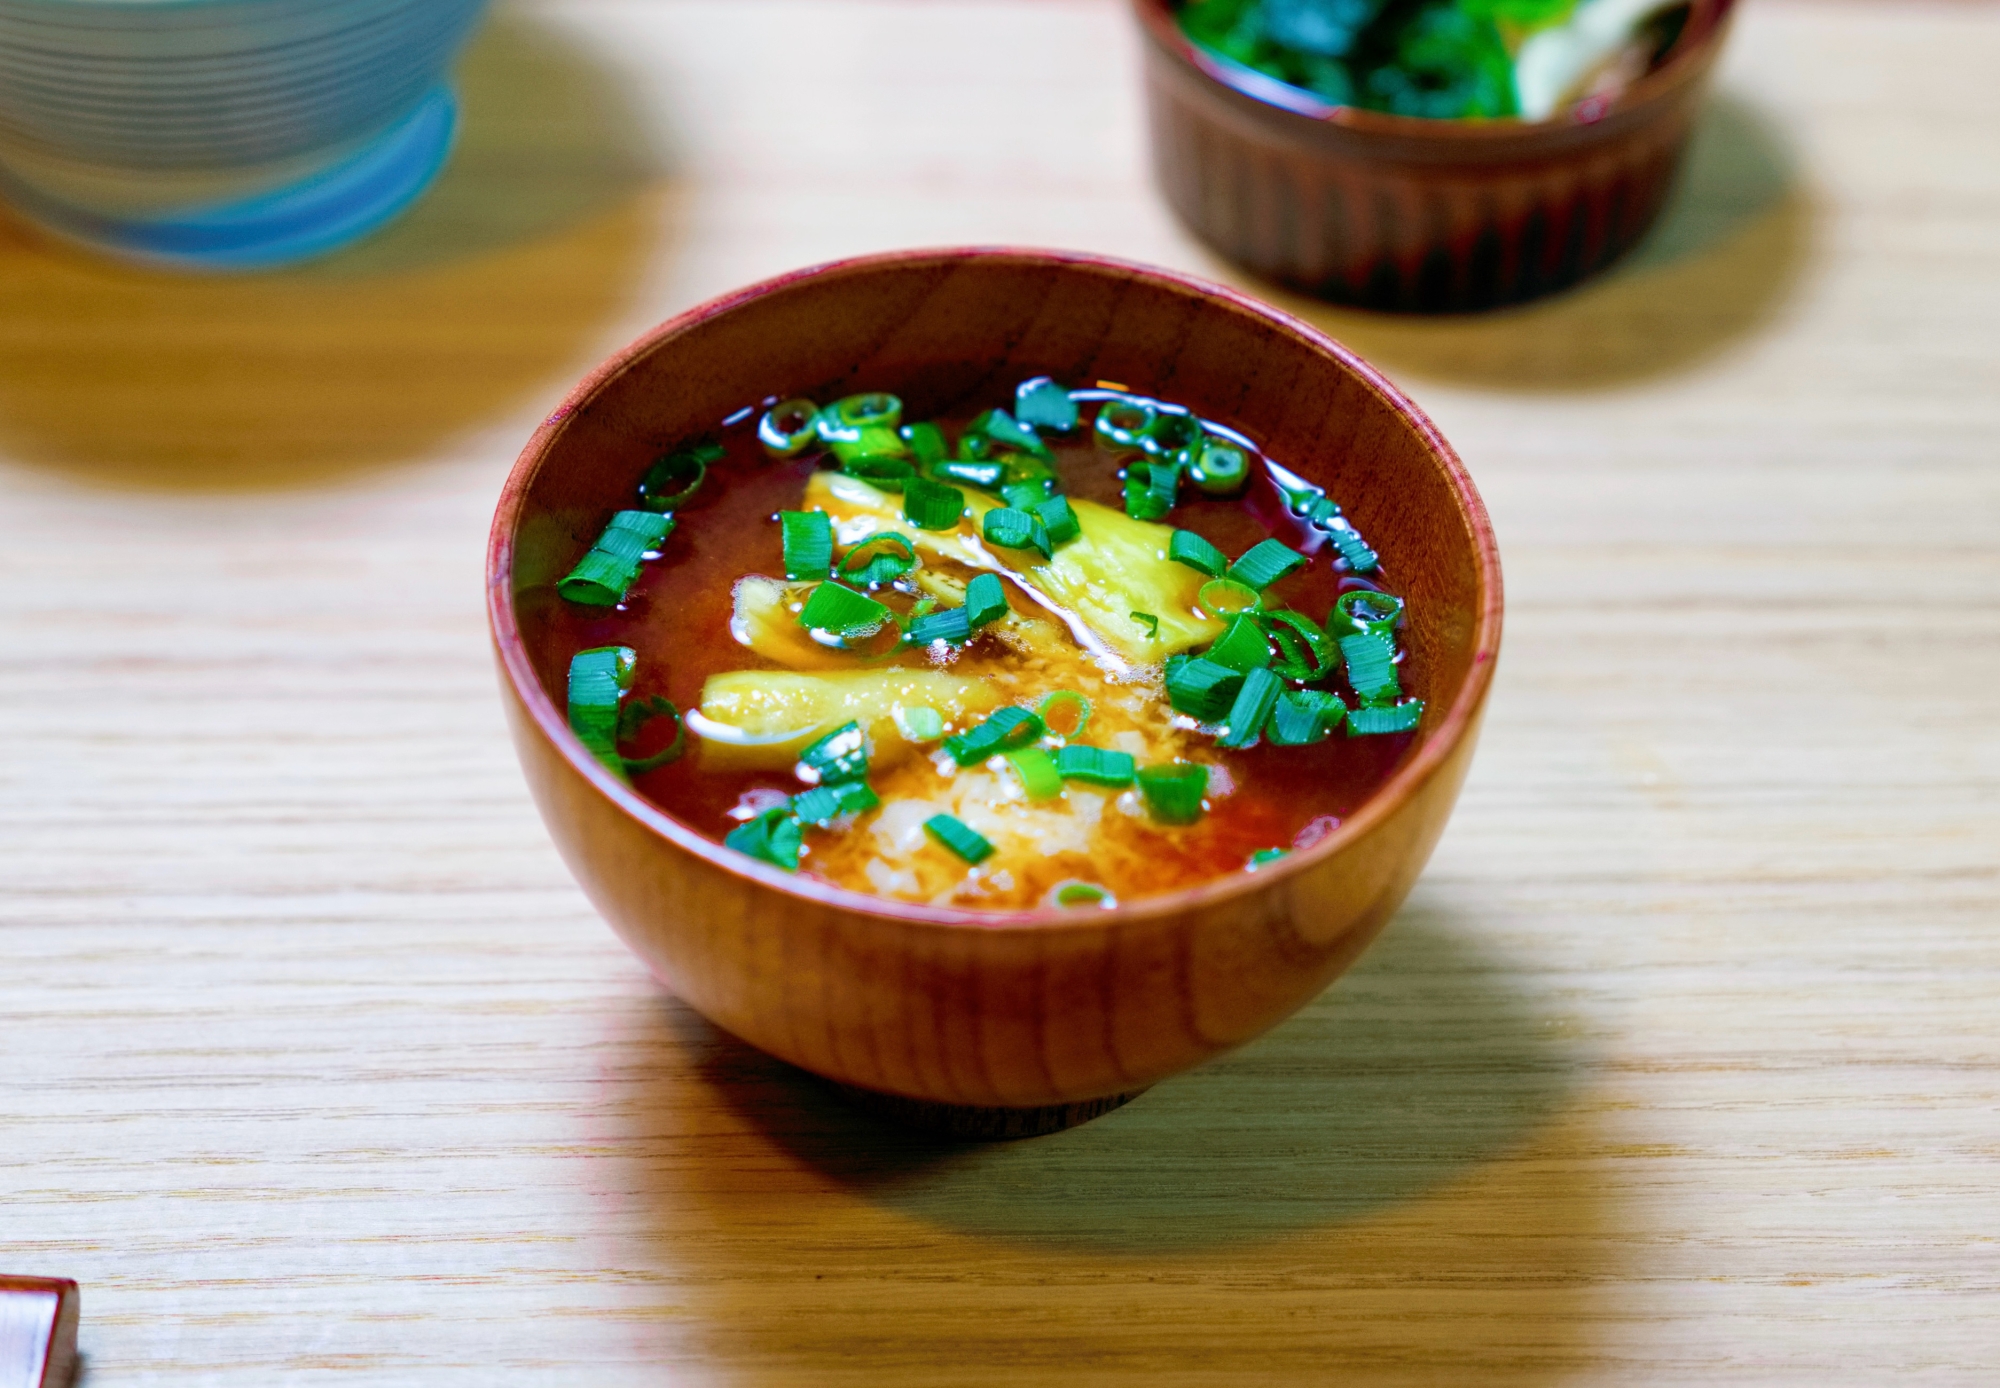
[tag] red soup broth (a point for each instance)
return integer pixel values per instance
(677, 617)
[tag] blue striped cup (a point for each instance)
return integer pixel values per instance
(224, 134)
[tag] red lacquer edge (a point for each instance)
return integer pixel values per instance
(1681, 67)
(1405, 783)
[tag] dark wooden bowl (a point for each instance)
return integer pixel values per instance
(1047, 1016)
(1392, 212)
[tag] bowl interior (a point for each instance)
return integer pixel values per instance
(942, 329)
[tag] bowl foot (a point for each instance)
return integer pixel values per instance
(310, 217)
(968, 1123)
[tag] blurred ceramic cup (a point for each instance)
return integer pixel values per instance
(224, 134)
(1404, 214)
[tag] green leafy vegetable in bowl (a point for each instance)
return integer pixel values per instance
(1442, 59)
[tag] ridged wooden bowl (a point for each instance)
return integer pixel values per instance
(1392, 212)
(1000, 1024)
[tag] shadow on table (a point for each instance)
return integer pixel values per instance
(494, 288)
(1398, 1183)
(1721, 263)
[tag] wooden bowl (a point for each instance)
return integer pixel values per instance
(985, 1023)
(1392, 212)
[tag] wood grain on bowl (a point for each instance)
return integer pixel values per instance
(1397, 213)
(1025, 1009)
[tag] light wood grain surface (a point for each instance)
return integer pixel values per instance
(1682, 1065)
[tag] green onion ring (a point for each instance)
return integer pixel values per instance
(881, 566)
(1065, 698)
(1350, 617)
(1171, 434)
(1220, 469)
(632, 720)
(1037, 770)
(883, 474)
(873, 410)
(1225, 597)
(789, 427)
(1123, 423)
(689, 468)
(1079, 893)
(1285, 626)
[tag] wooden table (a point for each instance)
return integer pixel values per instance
(1682, 1065)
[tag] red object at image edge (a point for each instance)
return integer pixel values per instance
(38, 1318)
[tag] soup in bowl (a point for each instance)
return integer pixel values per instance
(995, 679)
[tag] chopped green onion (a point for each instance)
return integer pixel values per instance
(1002, 731)
(974, 474)
(1100, 766)
(1385, 718)
(633, 719)
(824, 803)
(1305, 499)
(1252, 709)
(951, 625)
(1026, 496)
(1198, 554)
(605, 574)
(1365, 611)
(1220, 469)
(598, 679)
(863, 426)
(1225, 597)
(1242, 645)
(808, 543)
(1319, 511)
(1011, 529)
(929, 505)
(842, 611)
(1149, 622)
(1371, 668)
(1354, 550)
(1305, 652)
(985, 600)
(1059, 517)
(1304, 716)
(1265, 563)
(960, 837)
(1201, 688)
(926, 441)
(1171, 434)
(1082, 894)
(1037, 770)
(788, 429)
(873, 410)
(852, 445)
(1042, 404)
(884, 474)
(1264, 857)
(673, 479)
(1122, 423)
(1151, 489)
(1001, 428)
(1027, 470)
(1173, 793)
(919, 724)
(772, 836)
(1060, 699)
(882, 558)
(842, 755)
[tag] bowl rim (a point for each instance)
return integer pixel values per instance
(1685, 64)
(1403, 785)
